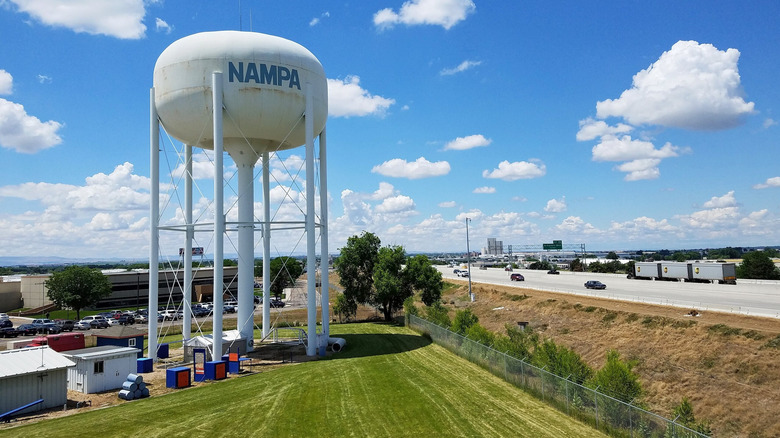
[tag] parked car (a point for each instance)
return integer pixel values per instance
(81, 325)
(199, 311)
(4, 316)
(169, 315)
(593, 284)
(553, 272)
(46, 326)
(97, 323)
(67, 325)
(141, 319)
(27, 330)
(126, 320)
(6, 323)
(8, 332)
(517, 277)
(93, 318)
(229, 308)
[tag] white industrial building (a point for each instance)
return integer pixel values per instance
(100, 369)
(31, 374)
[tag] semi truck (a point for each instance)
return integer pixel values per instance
(702, 272)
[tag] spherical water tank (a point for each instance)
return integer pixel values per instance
(264, 90)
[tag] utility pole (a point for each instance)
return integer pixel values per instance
(468, 258)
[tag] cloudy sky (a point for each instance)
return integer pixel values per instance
(620, 125)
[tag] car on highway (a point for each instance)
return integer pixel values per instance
(594, 284)
(553, 272)
(276, 303)
(27, 330)
(456, 271)
(517, 277)
(8, 332)
(81, 325)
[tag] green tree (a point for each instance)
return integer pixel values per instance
(424, 278)
(757, 265)
(258, 268)
(464, 319)
(576, 265)
(480, 334)
(392, 287)
(344, 308)
(617, 380)
(612, 255)
(284, 272)
(78, 287)
(355, 266)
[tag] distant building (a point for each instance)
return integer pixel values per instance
(494, 247)
(131, 288)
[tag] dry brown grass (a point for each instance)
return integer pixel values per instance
(721, 362)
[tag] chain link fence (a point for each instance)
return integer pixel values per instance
(605, 413)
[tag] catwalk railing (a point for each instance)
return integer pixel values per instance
(606, 413)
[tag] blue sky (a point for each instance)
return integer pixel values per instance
(620, 125)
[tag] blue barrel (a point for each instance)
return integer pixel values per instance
(145, 392)
(129, 386)
(126, 395)
(141, 386)
(135, 378)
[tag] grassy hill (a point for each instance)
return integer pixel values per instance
(387, 382)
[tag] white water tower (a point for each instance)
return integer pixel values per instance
(248, 94)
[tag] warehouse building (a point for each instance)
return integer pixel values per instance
(131, 288)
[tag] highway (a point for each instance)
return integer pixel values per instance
(748, 297)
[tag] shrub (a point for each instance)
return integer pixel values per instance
(463, 320)
(617, 380)
(438, 315)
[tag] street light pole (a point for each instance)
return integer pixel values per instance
(468, 258)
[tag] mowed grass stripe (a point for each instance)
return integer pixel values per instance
(388, 382)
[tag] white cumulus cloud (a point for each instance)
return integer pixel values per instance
(517, 170)
(485, 190)
(467, 142)
(691, 86)
(556, 205)
(6, 82)
(445, 13)
(770, 182)
(420, 168)
(591, 129)
(347, 98)
(162, 26)
(116, 18)
(25, 133)
(463, 66)
(727, 200)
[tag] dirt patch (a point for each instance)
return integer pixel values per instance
(725, 364)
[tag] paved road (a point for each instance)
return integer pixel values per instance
(751, 297)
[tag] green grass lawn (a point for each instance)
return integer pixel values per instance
(388, 382)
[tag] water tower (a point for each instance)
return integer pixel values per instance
(248, 94)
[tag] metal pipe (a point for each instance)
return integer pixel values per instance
(324, 283)
(187, 321)
(154, 223)
(266, 245)
(219, 217)
(311, 347)
(246, 247)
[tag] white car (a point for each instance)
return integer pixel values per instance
(112, 321)
(463, 274)
(81, 325)
(4, 316)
